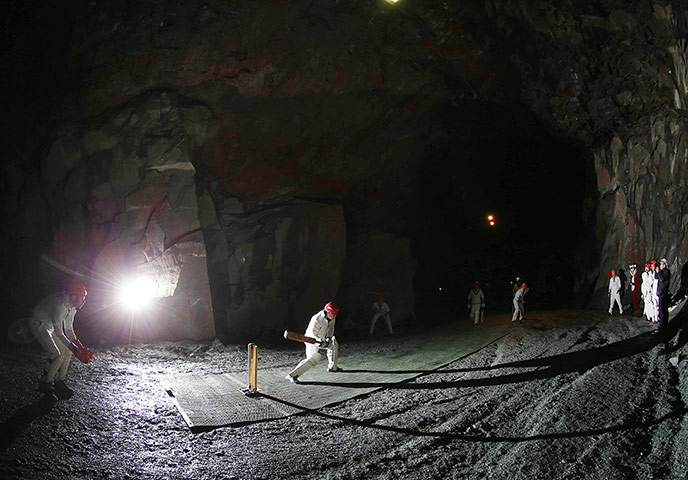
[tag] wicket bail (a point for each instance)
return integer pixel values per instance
(252, 388)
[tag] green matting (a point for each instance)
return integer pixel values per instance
(210, 401)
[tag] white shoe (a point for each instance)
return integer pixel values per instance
(292, 379)
(335, 369)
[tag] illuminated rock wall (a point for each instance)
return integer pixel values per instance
(288, 143)
(123, 190)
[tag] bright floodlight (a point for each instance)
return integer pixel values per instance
(491, 220)
(137, 294)
(391, 1)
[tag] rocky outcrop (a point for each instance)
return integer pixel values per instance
(273, 267)
(124, 210)
(258, 159)
(613, 78)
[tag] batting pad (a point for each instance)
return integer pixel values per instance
(210, 401)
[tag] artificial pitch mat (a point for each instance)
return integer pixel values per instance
(210, 401)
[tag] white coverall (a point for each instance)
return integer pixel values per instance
(52, 322)
(615, 294)
(518, 304)
(381, 310)
(318, 328)
(476, 301)
(646, 290)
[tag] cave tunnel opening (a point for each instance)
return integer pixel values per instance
(497, 159)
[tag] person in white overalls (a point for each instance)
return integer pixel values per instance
(476, 302)
(381, 309)
(519, 303)
(648, 279)
(321, 327)
(614, 292)
(52, 323)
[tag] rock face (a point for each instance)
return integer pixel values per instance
(254, 161)
(122, 191)
(614, 78)
(274, 267)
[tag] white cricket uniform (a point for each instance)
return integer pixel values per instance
(52, 322)
(615, 294)
(319, 327)
(381, 310)
(476, 300)
(519, 308)
(646, 290)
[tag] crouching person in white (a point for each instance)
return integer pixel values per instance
(321, 327)
(52, 323)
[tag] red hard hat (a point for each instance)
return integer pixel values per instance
(77, 289)
(613, 271)
(332, 308)
(380, 298)
(647, 265)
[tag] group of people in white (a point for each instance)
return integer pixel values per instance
(654, 291)
(52, 322)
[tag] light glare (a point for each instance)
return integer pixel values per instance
(137, 294)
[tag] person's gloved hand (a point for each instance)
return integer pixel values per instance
(325, 342)
(85, 355)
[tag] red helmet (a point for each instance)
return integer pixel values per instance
(523, 286)
(332, 308)
(380, 299)
(77, 289)
(647, 265)
(613, 272)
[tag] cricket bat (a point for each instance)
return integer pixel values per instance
(289, 335)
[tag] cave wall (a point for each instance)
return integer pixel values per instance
(612, 77)
(278, 146)
(120, 190)
(238, 129)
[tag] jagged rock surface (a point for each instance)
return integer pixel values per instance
(248, 130)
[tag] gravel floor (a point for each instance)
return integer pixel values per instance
(568, 394)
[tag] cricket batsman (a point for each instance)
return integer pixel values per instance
(321, 327)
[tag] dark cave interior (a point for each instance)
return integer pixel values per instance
(413, 121)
